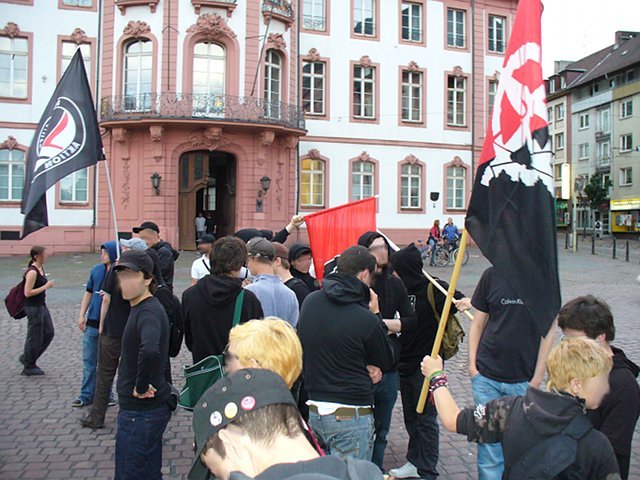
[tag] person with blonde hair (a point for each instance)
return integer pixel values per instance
(270, 343)
(544, 435)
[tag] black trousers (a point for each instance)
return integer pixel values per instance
(423, 430)
(39, 333)
(108, 359)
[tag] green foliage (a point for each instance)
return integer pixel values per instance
(597, 191)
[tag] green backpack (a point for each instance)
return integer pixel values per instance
(453, 333)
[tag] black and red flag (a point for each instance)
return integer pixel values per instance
(67, 139)
(511, 214)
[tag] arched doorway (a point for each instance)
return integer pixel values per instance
(207, 184)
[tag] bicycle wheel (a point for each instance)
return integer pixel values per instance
(454, 256)
(441, 258)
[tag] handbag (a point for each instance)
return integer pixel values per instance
(202, 375)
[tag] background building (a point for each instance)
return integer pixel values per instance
(331, 102)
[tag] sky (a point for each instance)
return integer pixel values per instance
(573, 29)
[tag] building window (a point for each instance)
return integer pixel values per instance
(456, 101)
(497, 26)
(630, 76)
(559, 141)
(626, 177)
(552, 85)
(557, 172)
(364, 17)
(583, 151)
(410, 186)
(456, 27)
(138, 67)
(78, 3)
(209, 61)
(603, 153)
(363, 91)
(74, 187)
(14, 57)
(626, 109)
(11, 174)
(362, 180)
(559, 112)
(584, 121)
(312, 183)
(603, 120)
(412, 22)
(626, 142)
(313, 87)
(491, 97)
(550, 114)
(272, 83)
(411, 96)
(69, 50)
(456, 177)
(313, 15)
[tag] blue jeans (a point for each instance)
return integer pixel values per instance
(139, 443)
(386, 394)
(490, 458)
(89, 364)
(344, 438)
(432, 244)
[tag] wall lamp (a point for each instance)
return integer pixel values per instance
(155, 182)
(265, 183)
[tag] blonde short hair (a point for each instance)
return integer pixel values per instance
(578, 357)
(271, 342)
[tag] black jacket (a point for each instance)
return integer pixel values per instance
(207, 310)
(323, 468)
(521, 423)
(618, 414)
(340, 337)
(299, 288)
(407, 263)
(310, 281)
(167, 255)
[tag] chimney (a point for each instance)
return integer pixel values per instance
(624, 35)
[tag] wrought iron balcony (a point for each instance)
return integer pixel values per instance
(225, 108)
(280, 9)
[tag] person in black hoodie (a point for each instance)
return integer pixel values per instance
(618, 414)
(399, 316)
(544, 435)
(150, 233)
(423, 430)
(208, 306)
(342, 334)
(300, 264)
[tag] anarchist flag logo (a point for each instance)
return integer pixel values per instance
(61, 138)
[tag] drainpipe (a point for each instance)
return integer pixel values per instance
(97, 105)
(297, 196)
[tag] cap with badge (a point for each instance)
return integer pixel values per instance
(229, 399)
(261, 247)
(147, 226)
(135, 260)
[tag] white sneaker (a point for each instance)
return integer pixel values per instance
(408, 470)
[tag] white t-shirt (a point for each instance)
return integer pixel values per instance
(198, 268)
(201, 223)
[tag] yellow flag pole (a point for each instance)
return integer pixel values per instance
(445, 315)
(441, 288)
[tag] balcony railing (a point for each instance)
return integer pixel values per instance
(201, 106)
(278, 8)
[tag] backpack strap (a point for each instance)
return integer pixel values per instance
(578, 427)
(432, 301)
(238, 308)
(206, 266)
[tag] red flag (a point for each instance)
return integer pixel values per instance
(511, 213)
(333, 230)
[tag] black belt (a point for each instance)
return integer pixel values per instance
(346, 411)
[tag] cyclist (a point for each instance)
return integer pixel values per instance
(435, 238)
(451, 235)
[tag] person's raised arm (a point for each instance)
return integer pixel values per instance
(543, 352)
(448, 411)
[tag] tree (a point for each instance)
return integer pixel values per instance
(597, 191)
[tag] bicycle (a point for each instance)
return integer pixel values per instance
(454, 249)
(440, 258)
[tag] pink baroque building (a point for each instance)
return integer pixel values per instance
(205, 105)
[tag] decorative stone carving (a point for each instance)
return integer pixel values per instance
(457, 71)
(10, 143)
(313, 55)
(11, 29)
(125, 193)
(121, 137)
(365, 61)
(136, 28)
(79, 36)
(266, 138)
(314, 154)
(364, 157)
(210, 138)
(411, 158)
(289, 141)
(212, 26)
(457, 161)
(156, 132)
(123, 4)
(276, 40)
(413, 66)
(229, 5)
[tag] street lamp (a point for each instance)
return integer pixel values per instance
(155, 182)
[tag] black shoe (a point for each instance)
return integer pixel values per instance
(32, 372)
(21, 360)
(77, 403)
(112, 402)
(87, 423)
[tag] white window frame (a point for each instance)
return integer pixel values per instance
(604, 120)
(626, 142)
(362, 81)
(584, 151)
(14, 163)
(456, 183)
(550, 114)
(72, 179)
(318, 169)
(78, 3)
(491, 96)
(310, 19)
(453, 99)
(455, 32)
(497, 35)
(559, 141)
(626, 108)
(626, 177)
(13, 53)
(65, 58)
(359, 172)
(584, 122)
(559, 112)
(312, 76)
(142, 99)
(410, 181)
(272, 72)
(412, 18)
(412, 91)
(359, 8)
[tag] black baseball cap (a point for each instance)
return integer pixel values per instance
(298, 250)
(207, 238)
(136, 260)
(150, 225)
(230, 398)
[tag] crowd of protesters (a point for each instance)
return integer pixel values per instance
(313, 371)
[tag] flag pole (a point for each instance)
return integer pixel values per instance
(445, 315)
(444, 292)
(113, 207)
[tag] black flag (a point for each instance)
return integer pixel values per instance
(67, 139)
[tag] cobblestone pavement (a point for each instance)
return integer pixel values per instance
(39, 432)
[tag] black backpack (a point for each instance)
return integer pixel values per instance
(553, 455)
(172, 306)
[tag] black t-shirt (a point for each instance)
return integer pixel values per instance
(119, 308)
(299, 288)
(509, 345)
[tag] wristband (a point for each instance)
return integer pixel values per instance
(435, 374)
(437, 382)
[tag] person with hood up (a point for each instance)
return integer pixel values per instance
(208, 306)
(423, 449)
(544, 435)
(345, 344)
(89, 322)
(400, 318)
(618, 414)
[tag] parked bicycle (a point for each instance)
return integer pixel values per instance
(440, 258)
